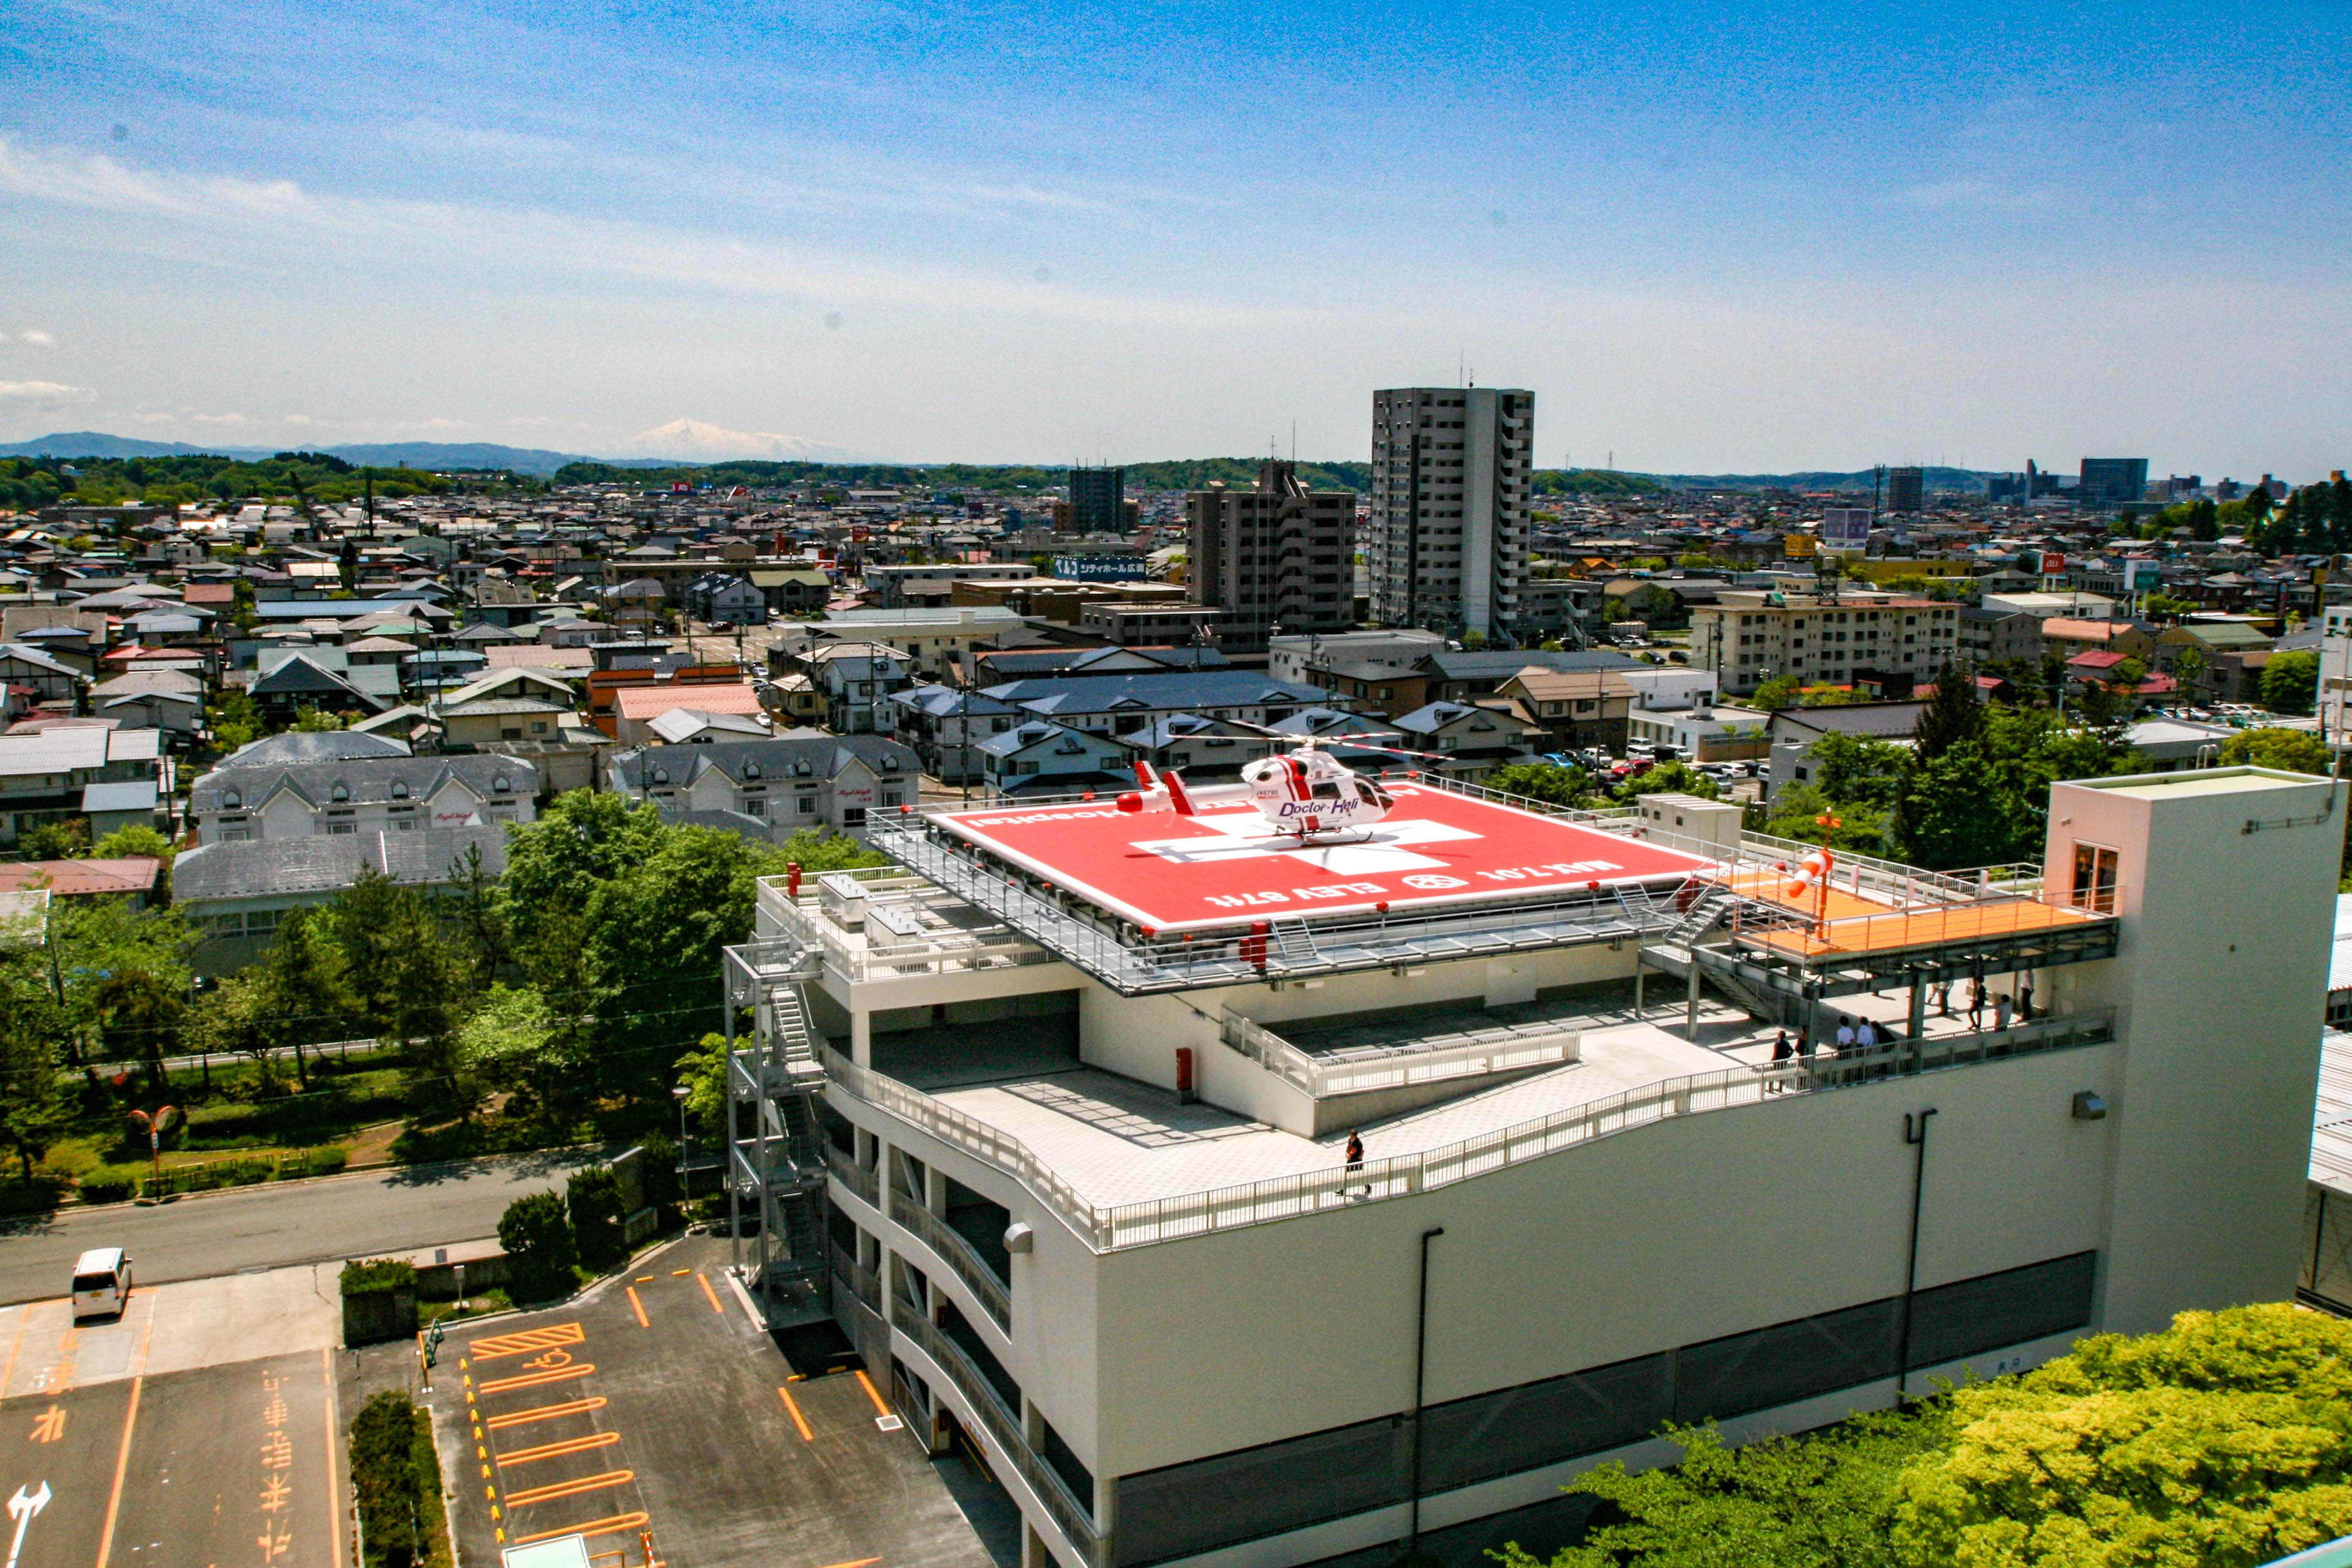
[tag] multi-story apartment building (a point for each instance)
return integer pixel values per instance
(1276, 555)
(1747, 638)
(360, 794)
(1445, 546)
(1098, 501)
(1052, 1116)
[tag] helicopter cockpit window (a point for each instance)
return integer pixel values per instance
(1378, 796)
(1325, 789)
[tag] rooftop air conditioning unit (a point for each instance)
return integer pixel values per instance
(843, 898)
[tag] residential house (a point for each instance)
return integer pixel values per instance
(856, 680)
(1042, 759)
(1795, 731)
(1577, 708)
(943, 725)
(301, 681)
(1990, 634)
(2065, 638)
(360, 794)
(234, 893)
(46, 776)
(791, 782)
(716, 596)
(1121, 705)
(1210, 749)
(1470, 740)
(636, 707)
(48, 678)
(133, 878)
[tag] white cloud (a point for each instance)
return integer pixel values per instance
(710, 443)
(33, 336)
(43, 394)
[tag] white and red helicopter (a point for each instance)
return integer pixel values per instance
(1307, 794)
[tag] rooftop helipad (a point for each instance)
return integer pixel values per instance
(1223, 868)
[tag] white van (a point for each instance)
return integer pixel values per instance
(101, 1283)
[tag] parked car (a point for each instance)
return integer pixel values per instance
(101, 1283)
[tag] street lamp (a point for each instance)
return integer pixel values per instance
(678, 1091)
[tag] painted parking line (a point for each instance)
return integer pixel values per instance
(534, 1379)
(679, 1273)
(709, 1294)
(558, 1448)
(798, 1419)
(601, 1482)
(547, 1412)
(612, 1526)
(637, 1307)
(867, 1383)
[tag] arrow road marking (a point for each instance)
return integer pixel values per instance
(22, 1508)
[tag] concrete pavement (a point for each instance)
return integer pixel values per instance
(268, 1226)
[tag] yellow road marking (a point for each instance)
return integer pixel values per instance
(572, 1488)
(612, 1526)
(122, 1455)
(709, 1294)
(867, 1383)
(679, 1273)
(548, 1412)
(526, 1342)
(22, 1318)
(861, 1563)
(334, 1493)
(553, 1450)
(637, 1307)
(49, 1424)
(532, 1379)
(644, 1279)
(806, 1436)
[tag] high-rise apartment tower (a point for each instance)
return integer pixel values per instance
(1906, 489)
(1099, 500)
(1446, 545)
(1277, 554)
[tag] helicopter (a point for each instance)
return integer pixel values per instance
(1307, 794)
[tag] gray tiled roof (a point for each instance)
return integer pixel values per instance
(312, 746)
(261, 868)
(364, 780)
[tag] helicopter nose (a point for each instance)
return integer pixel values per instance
(1130, 802)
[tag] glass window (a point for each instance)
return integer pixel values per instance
(2094, 879)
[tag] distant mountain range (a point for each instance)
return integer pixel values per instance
(681, 441)
(691, 444)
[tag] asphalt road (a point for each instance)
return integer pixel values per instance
(269, 1226)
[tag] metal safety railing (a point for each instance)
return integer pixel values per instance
(1110, 1227)
(956, 1254)
(1499, 1049)
(1073, 1518)
(862, 1183)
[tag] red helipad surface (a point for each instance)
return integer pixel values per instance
(1222, 868)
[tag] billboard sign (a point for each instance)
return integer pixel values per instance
(1100, 568)
(2054, 563)
(1796, 546)
(1845, 528)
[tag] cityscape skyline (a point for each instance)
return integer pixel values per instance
(1791, 241)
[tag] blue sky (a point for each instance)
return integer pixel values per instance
(1727, 237)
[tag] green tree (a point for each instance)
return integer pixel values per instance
(1953, 715)
(1797, 814)
(2288, 751)
(1668, 779)
(702, 1073)
(536, 1232)
(592, 1205)
(1858, 770)
(583, 841)
(1779, 692)
(138, 839)
(311, 720)
(2291, 682)
(2220, 1442)
(35, 1113)
(62, 840)
(235, 720)
(513, 1042)
(1545, 781)
(306, 981)
(124, 974)
(405, 978)
(478, 913)
(237, 1018)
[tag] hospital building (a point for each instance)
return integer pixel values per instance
(1050, 1117)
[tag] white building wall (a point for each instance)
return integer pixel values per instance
(2226, 886)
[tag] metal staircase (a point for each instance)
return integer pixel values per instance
(1296, 943)
(777, 1168)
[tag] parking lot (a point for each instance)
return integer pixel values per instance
(655, 1410)
(198, 1428)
